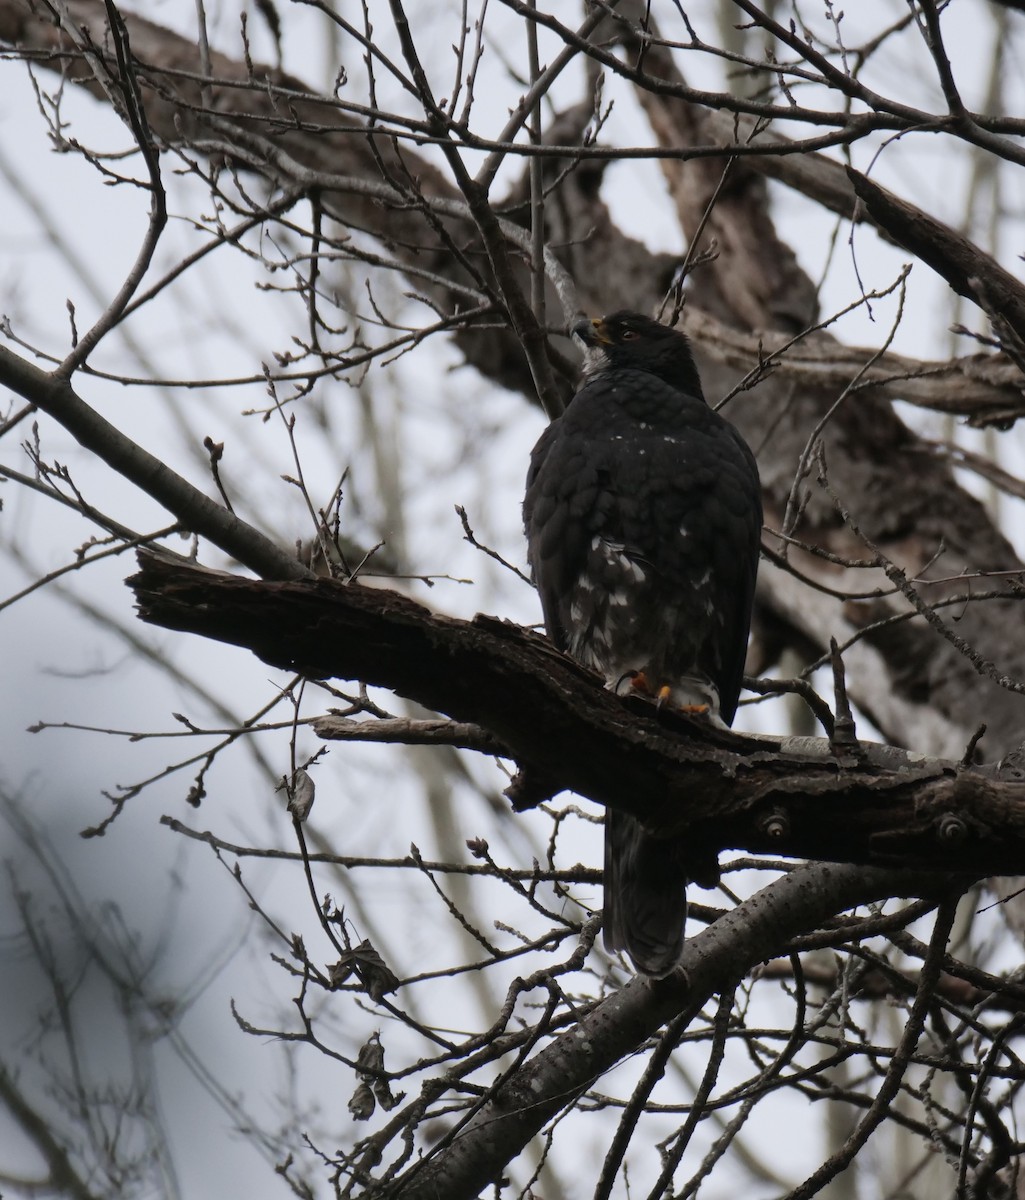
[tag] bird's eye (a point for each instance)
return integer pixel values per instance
(628, 335)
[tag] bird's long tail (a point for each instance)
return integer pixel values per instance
(645, 895)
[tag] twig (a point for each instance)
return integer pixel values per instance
(133, 112)
(469, 536)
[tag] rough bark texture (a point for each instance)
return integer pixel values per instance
(558, 723)
(797, 796)
(918, 689)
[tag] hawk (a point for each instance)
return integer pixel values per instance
(643, 519)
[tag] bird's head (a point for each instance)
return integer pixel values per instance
(630, 339)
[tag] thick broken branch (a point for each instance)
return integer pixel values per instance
(681, 777)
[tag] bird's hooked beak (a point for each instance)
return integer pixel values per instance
(591, 332)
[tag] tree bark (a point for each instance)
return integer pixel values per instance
(916, 687)
(884, 496)
(712, 962)
(799, 797)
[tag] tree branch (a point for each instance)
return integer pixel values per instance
(968, 270)
(679, 776)
(195, 511)
(714, 960)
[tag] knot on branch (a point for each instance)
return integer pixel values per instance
(775, 824)
(951, 829)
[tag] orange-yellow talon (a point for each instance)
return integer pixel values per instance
(637, 682)
(643, 519)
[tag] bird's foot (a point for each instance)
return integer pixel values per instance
(634, 683)
(637, 683)
(665, 698)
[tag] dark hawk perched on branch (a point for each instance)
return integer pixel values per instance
(643, 518)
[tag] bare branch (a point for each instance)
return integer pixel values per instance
(195, 511)
(767, 795)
